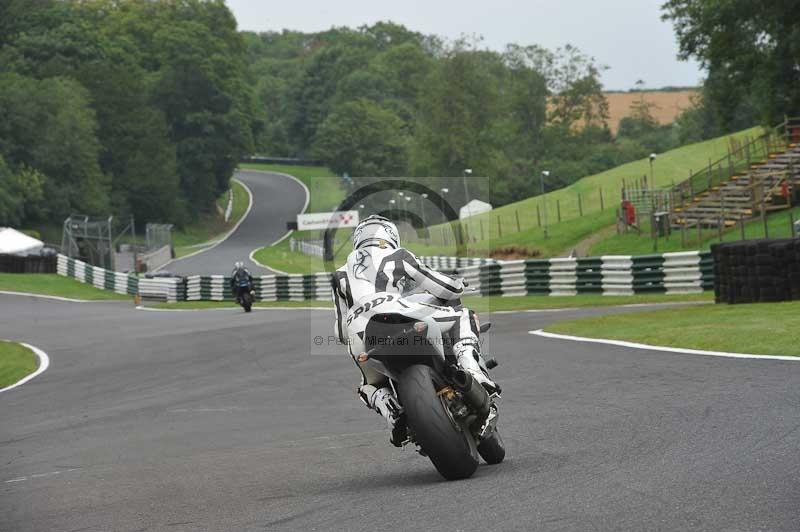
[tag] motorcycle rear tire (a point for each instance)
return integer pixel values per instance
(448, 448)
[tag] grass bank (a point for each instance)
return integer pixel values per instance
(52, 284)
(579, 204)
(763, 328)
(16, 361)
(281, 257)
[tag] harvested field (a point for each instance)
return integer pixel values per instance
(668, 105)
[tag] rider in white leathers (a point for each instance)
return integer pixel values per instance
(378, 264)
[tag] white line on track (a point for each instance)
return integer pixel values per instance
(227, 235)
(44, 363)
(681, 350)
(58, 298)
(39, 475)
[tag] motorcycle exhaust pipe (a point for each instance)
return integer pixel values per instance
(472, 391)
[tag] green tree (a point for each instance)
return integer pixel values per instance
(751, 51)
(21, 195)
(48, 125)
(362, 139)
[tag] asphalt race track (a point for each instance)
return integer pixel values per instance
(277, 199)
(221, 420)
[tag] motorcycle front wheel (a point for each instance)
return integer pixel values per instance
(448, 446)
(247, 302)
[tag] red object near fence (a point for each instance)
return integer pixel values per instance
(794, 134)
(629, 212)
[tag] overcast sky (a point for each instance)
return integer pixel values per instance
(625, 35)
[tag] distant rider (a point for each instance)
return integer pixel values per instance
(378, 264)
(238, 274)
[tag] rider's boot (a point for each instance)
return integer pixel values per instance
(469, 358)
(383, 401)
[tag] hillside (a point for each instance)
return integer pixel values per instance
(579, 204)
(562, 236)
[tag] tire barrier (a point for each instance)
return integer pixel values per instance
(28, 264)
(757, 271)
(669, 273)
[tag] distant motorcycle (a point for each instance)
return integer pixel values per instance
(450, 417)
(245, 298)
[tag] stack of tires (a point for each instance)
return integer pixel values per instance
(757, 271)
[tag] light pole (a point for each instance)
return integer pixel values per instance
(467, 171)
(444, 191)
(545, 173)
(423, 197)
(652, 177)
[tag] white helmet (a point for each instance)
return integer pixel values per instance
(376, 231)
(238, 265)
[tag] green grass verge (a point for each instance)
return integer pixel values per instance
(496, 303)
(484, 304)
(323, 185)
(52, 284)
(281, 257)
(16, 361)
(672, 166)
(778, 226)
(560, 236)
(765, 328)
(211, 226)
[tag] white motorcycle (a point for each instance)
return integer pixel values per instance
(449, 416)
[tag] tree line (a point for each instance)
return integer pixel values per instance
(120, 106)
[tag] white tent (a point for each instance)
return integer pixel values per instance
(12, 242)
(472, 208)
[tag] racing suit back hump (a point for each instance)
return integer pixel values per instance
(374, 269)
